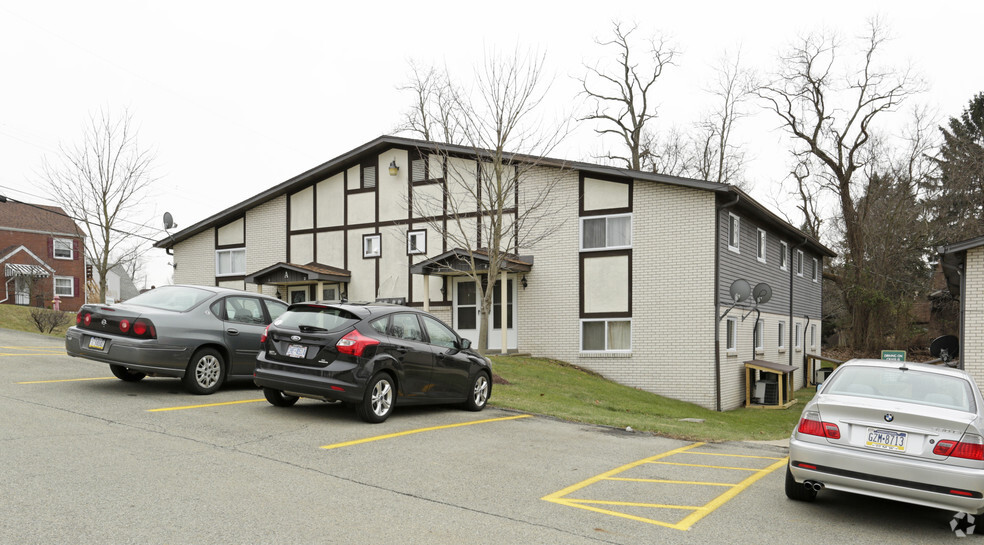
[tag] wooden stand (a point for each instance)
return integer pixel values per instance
(785, 386)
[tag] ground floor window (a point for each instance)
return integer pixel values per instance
(65, 286)
(606, 335)
(731, 337)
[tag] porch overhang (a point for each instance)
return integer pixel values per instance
(13, 269)
(290, 273)
(458, 261)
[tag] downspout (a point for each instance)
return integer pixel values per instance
(792, 324)
(717, 286)
(963, 311)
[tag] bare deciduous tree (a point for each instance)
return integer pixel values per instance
(622, 97)
(489, 211)
(102, 182)
(433, 116)
(831, 118)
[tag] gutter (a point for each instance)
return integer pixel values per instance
(717, 287)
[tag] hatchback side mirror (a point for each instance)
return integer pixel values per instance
(465, 344)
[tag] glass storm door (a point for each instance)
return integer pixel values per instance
(467, 313)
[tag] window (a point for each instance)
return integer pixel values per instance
(760, 336)
(244, 310)
(275, 309)
(439, 333)
(65, 286)
(784, 256)
(230, 262)
(368, 176)
(731, 337)
(799, 263)
(371, 246)
(796, 337)
(62, 248)
(405, 326)
(816, 270)
(606, 232)
(329, 294)
(760, 250)
(734, 232)
(781, 338)
(416, 242)
(606, 335)
(813, 336)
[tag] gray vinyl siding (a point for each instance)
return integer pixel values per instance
(745, 265)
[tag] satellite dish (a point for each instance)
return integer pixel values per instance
(169, 221)
(740, 290)
(762, 293)
(945, 348)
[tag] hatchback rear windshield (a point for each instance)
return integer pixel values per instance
(178, 298)
(326, 318)
(911, 385)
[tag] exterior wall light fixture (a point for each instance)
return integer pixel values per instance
(394, 169)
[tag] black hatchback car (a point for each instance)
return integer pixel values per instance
(370, 356)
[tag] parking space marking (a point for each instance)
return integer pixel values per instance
(63, 380)
(31, 351)
(421, 430)
(607, 506)
(183, 407)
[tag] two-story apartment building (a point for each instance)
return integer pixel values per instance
(41, 254)
(632, 280)
(963, 265)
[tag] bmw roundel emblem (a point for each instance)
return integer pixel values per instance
(295, 338)
(889, 417)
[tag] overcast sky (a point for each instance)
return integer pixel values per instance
(235, 97)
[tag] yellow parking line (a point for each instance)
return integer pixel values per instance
(664, 481)
(32, 353)
(63, 380)
(706, 466)
(421, 430)
(692, 519)
(736, 455)
(203, 406)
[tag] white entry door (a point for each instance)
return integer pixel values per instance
(467, 313)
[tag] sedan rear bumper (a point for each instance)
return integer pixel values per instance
(147, 356)
(933, 484)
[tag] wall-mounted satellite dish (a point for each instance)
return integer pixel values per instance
(740, 290)
(762, 293)
(169, 221)
(946, 348)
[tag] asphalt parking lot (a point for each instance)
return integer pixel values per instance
(86, 458)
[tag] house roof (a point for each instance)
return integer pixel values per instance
(298, 273)
(457, 261)
(952, 259)
(41, 218)
(381, 143)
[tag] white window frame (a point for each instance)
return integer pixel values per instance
(606, 350)
(607, 246)
(760, 336)
(368, 251)
(783, 256)
(63, 241)
(816, 270)
(421, 245)
(71, 286)
(813, 336)
(219, 253)
(731, 336)
(761, 246)
(799, 262)
(796, 337)
(734, 233)
(781, 339)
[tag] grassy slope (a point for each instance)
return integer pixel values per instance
(557, 389)
(19, 318)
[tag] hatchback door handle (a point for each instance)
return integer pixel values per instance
(232, 331)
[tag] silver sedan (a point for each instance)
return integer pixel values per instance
(203, 335)
(903, 431)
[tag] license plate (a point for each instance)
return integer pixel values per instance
(296, 351)
(886, 439)
(97, 343)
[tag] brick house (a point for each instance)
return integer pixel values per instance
(633, 281)
(41, 255)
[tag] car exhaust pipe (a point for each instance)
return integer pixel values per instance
(816, 486)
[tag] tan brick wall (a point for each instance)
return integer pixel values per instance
(973, 314)
(195, 260)
(266, 238)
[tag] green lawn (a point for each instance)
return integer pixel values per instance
(19, 318)
(557, 389)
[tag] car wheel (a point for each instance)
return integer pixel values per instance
(125, 374)
(278, 398)
(798, 491)
(205, 372)
(478, 396)
(378, 401)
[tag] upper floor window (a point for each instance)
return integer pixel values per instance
(799, 262)
(760, 248)
(734, 232)
(606, 232)
(368, 176)
(62, 248)
(783, 255)
(230, 262)
(416, 242)
(372, 245)
(816, 270)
